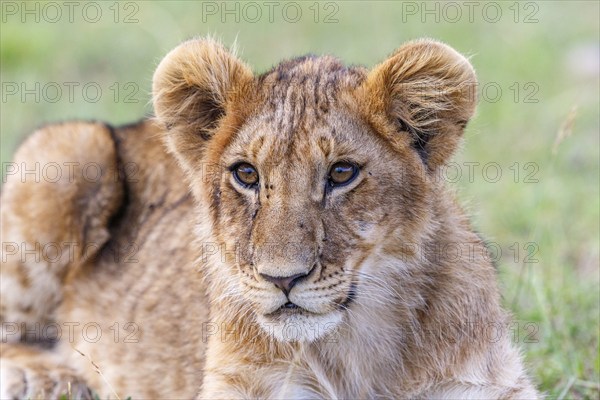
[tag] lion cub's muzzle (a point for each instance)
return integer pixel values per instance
(286, 283)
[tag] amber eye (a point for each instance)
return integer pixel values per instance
(342, 173)
(245, 174)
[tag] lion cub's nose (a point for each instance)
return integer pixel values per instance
(285, 283)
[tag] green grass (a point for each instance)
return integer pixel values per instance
(558, 291)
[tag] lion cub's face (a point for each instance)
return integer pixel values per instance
(319, 177)
(308, 192)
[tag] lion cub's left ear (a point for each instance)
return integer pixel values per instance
(192, 89)
(426, 90)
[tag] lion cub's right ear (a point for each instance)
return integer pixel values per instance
(428, 90)
(192, 89)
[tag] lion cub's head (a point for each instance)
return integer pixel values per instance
(313, 177)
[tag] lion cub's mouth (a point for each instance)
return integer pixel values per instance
(288, 308)
(350, 297)
(291, 322)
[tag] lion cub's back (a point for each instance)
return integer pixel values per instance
(141, 305)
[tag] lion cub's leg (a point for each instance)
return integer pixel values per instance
(59, 194)
(30, 373)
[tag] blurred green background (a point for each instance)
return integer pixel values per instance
(537, 122)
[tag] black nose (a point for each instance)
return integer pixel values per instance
(285, 283)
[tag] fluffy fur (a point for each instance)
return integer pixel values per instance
(398, 297)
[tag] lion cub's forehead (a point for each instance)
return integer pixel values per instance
(325, 70)
(300, 92)
(300, 112)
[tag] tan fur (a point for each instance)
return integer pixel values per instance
(140, 290)
(388, 308)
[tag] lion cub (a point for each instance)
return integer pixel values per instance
(314, 258)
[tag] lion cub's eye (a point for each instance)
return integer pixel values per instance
(342, 173)
(245, 174)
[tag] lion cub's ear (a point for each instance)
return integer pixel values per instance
(427, 89)
(192, 88)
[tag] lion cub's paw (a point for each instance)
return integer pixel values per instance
(21, 382)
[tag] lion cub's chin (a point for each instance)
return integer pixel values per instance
(300, 326)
